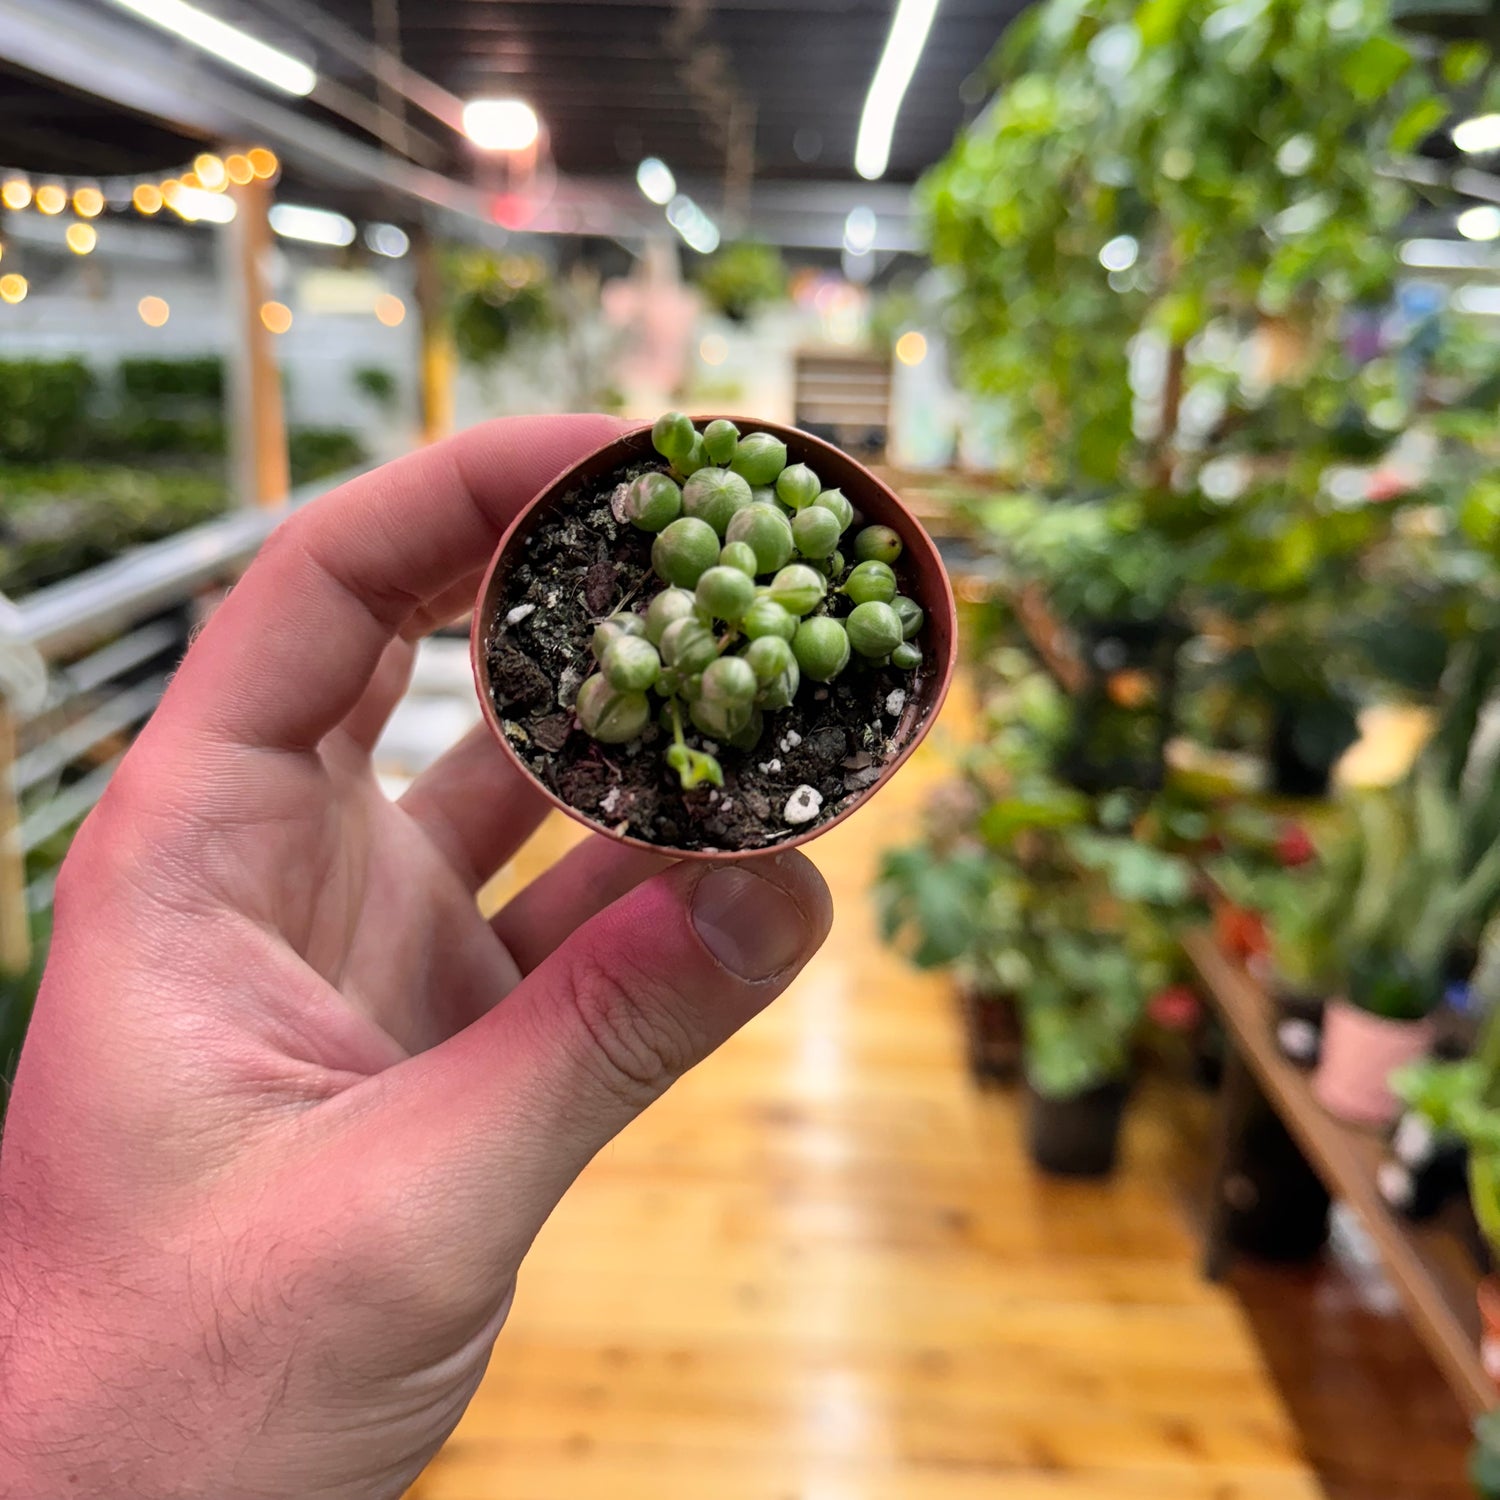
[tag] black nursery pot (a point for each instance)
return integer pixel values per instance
(1078, 1136)
(578, 776)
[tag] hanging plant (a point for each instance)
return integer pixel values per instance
(498, 302)
(743, 278)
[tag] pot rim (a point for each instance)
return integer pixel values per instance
(942, 609)
(1368, 1018)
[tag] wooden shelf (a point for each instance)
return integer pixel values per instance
(1431, 1268)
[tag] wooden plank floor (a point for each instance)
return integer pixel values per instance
(822, 1270)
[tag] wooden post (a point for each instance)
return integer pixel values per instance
(439, 361)
(15, 918)
(257, 426)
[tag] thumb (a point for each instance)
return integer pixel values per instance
(516, 1105)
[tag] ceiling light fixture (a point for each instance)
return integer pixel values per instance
(698, 231)
(903, 49)
(1482, 133)
(500, 124)
(314, 226)
(859, 230)
(654, 178)
(1443, 255)
(388, 240)
(1482, 222)
(227, 43)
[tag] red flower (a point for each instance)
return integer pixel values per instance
(1175, 1008)
(1295, 847)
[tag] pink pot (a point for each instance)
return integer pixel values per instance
(1360, 1051)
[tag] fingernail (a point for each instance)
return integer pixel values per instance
(752, 927)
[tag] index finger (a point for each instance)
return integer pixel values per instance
(291, 650)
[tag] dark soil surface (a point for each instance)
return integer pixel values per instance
(579, 565)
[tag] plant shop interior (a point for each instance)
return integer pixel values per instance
(1136, 1133)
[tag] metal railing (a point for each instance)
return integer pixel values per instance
(83, 664)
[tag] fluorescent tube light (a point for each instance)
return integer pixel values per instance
(227, 43)
(903, 49)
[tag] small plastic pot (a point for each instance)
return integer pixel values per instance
(920, 565)
(1078, 1136)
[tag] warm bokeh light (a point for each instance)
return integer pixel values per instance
(713, 350)
(263, 163)
(238, 170)
(390, 310)
(147, 198)
(88, 203)
(210, 172)
(191, 183)
(277, 316)
(51, 199)
(13, 289)
(82, 238)
(16, 193)
(154, 311)
(911, 348)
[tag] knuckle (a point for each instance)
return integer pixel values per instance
(631, 1040)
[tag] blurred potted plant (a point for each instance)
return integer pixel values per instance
(743, 278)
(1428, 859)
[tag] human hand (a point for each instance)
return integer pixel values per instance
(291, 1111)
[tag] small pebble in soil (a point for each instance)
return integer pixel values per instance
(803, 805)
(769, 766)
(790, 740)
(895, 702)
(519, 613)
(610, 802)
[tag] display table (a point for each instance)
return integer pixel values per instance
(1431, 1268)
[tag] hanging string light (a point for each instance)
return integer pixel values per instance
(88, 199)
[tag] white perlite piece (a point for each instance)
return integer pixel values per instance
(895, 701)
(617, 503)
(790, 740)
(519, 613)
(769, 766)
(803, 805)
(609, 804)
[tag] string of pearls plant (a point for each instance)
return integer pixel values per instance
(749, 551)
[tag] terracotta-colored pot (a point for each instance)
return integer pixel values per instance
(1359, 1054)
(1489, 1326)
(926, 580)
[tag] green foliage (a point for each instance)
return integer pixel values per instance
(320, 452)
(56, 521)
(1224, 155)
(1031, 889)
(1417, 873)
(1484, 1458)
(743, 278)
(378, 385)
(44, 408)
(153, 381)
(498, 303)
